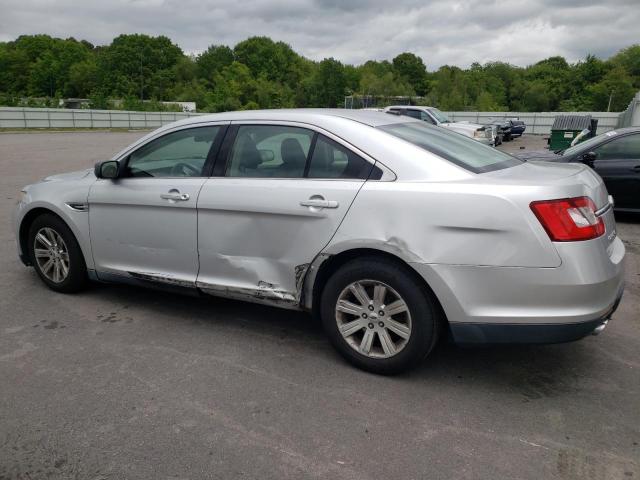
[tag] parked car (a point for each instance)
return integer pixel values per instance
(517, 128)
(392, 231)
(614, 155)
(503, 131)
(433, 116)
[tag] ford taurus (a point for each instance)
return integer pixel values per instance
(393, 232)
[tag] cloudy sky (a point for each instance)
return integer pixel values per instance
(455, 32)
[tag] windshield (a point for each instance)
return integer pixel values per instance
(591, 142)
(440, 117)
(457, 148)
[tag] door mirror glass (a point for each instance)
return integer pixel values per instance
(108, 169)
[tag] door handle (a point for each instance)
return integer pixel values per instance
(319, 203)
(635, 169)
(175, 196)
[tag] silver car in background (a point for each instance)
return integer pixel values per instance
(395, 233)
(480, 133)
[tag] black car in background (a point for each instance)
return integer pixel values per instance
(517, 128)
(614, 155)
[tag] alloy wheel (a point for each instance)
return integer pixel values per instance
(373, 319)
(51, 254)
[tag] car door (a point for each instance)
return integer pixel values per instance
(143, 225)
(618, 163)
(273, 206)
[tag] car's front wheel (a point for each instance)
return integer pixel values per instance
(56, 255)
(378, 316)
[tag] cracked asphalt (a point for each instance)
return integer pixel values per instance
(124, 383)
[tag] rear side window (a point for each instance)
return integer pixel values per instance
(275, 151)
(279, 151)
(458, 149)
(332, 160)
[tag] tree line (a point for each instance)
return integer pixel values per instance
(262, 73)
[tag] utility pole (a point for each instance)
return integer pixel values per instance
(141, 79)
(610, 97)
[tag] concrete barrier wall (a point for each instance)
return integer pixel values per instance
(538, 122)
(11, 117)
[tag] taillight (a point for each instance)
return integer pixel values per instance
(569, 219)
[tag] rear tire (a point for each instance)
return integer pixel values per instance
(378, 316)
(56, 255)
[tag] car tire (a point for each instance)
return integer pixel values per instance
(412, 334)
(51, 240)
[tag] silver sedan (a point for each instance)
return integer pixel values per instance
(395, 233)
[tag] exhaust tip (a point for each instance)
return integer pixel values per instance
(600, 327)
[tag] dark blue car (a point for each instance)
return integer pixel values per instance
(517, 128)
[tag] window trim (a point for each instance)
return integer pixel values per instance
(209, 162)
(224, 155)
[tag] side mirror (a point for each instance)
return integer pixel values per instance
(589, 158)
(108, 169)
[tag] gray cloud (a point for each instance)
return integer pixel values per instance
(455, 32)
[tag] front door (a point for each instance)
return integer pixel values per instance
(618, 163)
(279, 199)
(143, 225)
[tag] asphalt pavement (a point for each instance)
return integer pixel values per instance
(125, 383)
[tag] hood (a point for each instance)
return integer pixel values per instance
(77, 175)
(544, 155)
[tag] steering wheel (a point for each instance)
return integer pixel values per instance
(183, 169)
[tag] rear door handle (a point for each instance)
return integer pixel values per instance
(635, 169)
(319, 203)
(175, 196)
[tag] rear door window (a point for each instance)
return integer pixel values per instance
(275, 151)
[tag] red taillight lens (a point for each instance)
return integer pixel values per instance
(569, 219)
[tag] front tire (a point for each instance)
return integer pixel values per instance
(378, 316)
(56, 255)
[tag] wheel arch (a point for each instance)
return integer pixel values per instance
(28, 219)
(329, 264)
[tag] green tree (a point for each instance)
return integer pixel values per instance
(330, 83)
(213, 60)
(411, 68)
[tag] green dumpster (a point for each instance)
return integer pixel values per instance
(567, 127)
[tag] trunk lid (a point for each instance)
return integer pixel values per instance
(564, 179)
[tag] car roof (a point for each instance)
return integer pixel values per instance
(315, 116)
(622, 131)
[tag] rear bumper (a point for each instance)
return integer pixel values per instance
(494, 334)
(489, 304)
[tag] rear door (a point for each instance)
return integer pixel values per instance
(272, 207)
(618, 163)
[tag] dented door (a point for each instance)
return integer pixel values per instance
(257, 236)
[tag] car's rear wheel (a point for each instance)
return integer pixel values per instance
(378, 316)
(56, 255)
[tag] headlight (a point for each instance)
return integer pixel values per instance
(479, 134)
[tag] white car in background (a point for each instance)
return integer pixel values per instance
(481, 133)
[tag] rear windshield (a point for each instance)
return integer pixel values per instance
(459, 149)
